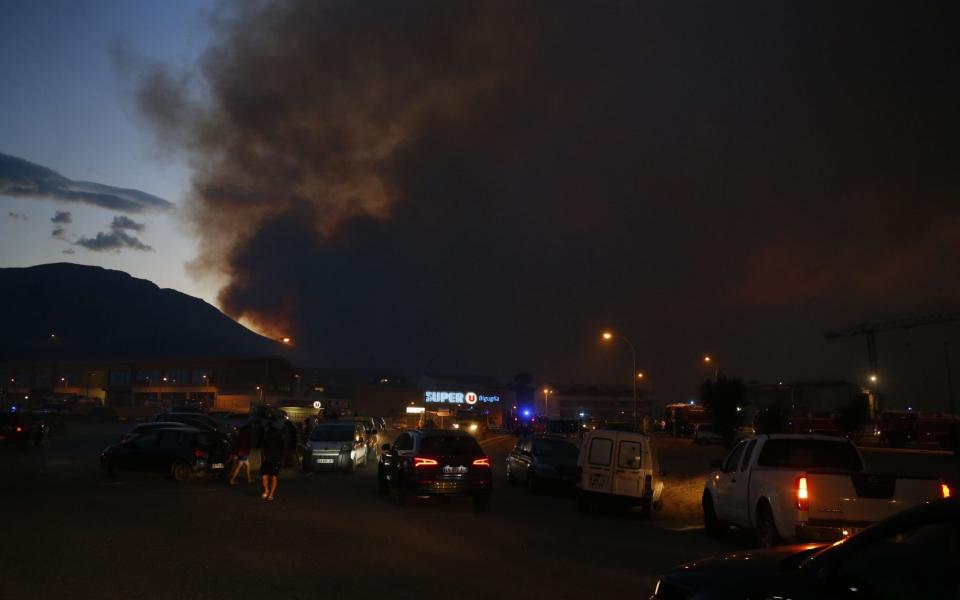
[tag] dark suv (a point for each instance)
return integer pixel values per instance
(21, 428)
(179, 453)
(436, 463)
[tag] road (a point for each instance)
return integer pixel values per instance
(71, 531)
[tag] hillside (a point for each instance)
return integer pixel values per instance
(66, 311)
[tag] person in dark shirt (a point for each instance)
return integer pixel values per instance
(271, 459)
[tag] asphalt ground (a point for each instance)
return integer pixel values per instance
(70, 531)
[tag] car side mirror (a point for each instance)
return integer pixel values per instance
(385, 447)
(716, 464)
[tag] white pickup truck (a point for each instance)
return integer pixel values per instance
(809, 487)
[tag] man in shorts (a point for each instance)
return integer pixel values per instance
(272, 457)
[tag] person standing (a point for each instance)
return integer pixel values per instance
(242, 449)
(272, 458)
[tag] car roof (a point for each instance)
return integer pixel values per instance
(443, 432)
(804, 436)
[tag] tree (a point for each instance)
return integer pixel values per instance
(723, 400)
(851, 418)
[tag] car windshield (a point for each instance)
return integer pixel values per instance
(450, 444)
(810, 454)
(332, 434)
(555, 449)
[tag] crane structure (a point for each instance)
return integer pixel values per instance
(870, 331)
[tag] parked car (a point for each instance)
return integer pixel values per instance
(200, 421)
(335, 445)
(541, 459)
(570, 428)
(619, 468)
(436, 462)
(809, 487)
(706, 433)
(153, 425)
(178, 453)
(21, 428)
(475, 426)
(371, 434)
(912, 554)
(54, 421)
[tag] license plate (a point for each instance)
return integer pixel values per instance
(460, 469)
(326, 461)
(216, 466)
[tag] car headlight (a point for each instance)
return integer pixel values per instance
(456, 425)
(473, 426)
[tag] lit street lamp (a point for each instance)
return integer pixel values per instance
(708, 360)
(607, 336)
(546, 401)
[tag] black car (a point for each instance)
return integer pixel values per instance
(22, 428)
(913, 554)
(198, 420)
(543, 458)
(436, 462)
(176, 452)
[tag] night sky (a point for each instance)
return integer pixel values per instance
(484, 187)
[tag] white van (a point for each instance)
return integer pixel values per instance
(619, 467)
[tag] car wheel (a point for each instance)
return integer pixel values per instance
(180, 471)
(510, 477)
(481, 502)
(767, 535)
(711, 524)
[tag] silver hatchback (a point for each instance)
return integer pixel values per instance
(335, 446)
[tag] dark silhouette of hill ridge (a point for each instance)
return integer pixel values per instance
(96, 313)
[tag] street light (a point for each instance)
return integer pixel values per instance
(607, 335)
(708, 360)
(873, 378)
(639, 375)
(546, 401)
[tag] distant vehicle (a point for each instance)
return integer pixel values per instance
(153, 425)
(706, 433)
(540, 459)
(809, 487)
(907, 428)
(178, 453)
(21, 428)
(335, 445)
(912, 554)
(620, 468)
(436, 462)
(371, 434)
(474, 425)
(570, 428)
(55, 421)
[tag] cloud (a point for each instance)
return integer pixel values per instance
(17, 216)
(122, 222)
(62, 216)
(68, 251)
(115, 239)
(59, 232)
(21, 178)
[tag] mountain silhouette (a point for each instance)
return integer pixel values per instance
(66, 311)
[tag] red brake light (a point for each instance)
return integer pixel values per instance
(199, 453)
(482, 462)
(19, 429)
(803, 494)
(424, 462)
(945, 490)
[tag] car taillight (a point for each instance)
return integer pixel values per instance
(482, 462)
(803, 494)
(19, 429)
(944, 490)
(423, 462)
(199, 453)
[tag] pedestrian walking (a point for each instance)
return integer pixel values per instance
(242, 449)
(272, 457)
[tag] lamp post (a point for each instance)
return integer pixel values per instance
(708, 360)
(546, 401)
(607, 336)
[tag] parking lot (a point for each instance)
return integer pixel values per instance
(69, 530)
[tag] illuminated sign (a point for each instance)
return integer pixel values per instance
(468, 398)
(416, 410)
(317, 404)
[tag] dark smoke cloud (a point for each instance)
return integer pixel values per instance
(20, 178)
(59, 232)
(62, 217)
(483, 186)
(117, 238)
